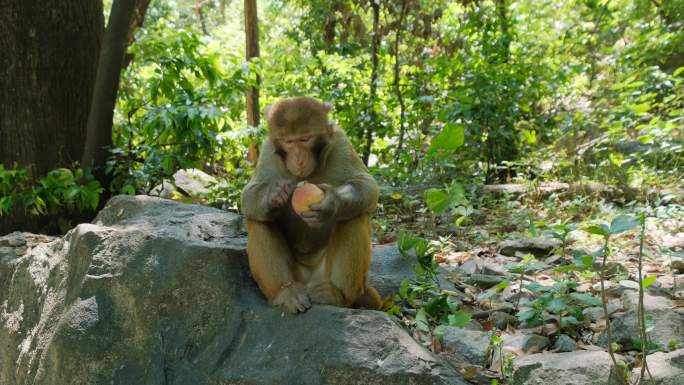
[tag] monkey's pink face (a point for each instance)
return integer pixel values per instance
(300, 154)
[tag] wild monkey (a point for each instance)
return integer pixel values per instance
(323, 254)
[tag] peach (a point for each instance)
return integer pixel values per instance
(304, 195)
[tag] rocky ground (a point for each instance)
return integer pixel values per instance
(480, 266)
(158, 292)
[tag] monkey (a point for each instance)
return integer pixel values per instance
(322, 255)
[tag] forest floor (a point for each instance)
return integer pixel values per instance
(516, 239)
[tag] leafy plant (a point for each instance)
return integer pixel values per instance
(451, 199)
(435, 308)
(61, 194)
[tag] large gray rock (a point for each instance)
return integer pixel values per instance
(667, 321)
(666, 368)
(158, 292)
(573, 368)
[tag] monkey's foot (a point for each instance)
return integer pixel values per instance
(293, 298)
(325, 293)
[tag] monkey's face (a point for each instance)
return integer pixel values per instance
(300, 153)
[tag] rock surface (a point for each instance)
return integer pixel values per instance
(666, 368)
(158, 292)
(667, 322)
(539, 247)
(573, 368)
(193, 182)
(470, 345)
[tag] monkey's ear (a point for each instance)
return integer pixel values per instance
(327, 107)
(267, 109)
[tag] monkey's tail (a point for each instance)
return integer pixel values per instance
(370, 299)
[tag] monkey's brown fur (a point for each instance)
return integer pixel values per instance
(292, 262)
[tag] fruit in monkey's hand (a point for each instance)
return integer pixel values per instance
(304, 195)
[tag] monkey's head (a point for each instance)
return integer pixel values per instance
(299, 128)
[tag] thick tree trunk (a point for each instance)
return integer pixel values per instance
(252, 51)
(99, 132)
(48, 60)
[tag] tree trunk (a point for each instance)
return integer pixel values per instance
(374, 82)
(200, 16)
(137, 20)
(397, 77)
(252, 51)
(99, 132)
(48, 56)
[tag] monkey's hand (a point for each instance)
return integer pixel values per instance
(279, 194)
(324, 212)
(293, 298)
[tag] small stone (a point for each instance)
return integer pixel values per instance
(502, 320)
(471, 266)
(471, 345)
(539, 247)
(678, 265)
(493, 269)
(484, 281)
(565, 344)
(596, 314)
(474, 325)
(525, 343)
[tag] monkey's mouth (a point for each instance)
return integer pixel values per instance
(302, 171)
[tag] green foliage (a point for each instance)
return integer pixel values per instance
(435, 309)
(179, 107)
(451, 199)
(62, 193)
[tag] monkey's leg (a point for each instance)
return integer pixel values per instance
(271, 263)
(348, 257)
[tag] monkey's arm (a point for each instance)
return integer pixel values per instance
(355, 187)
(264, 197)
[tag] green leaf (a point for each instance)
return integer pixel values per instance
(648, 281)
(439, 331)
(422, 321)
(446, 142)
(640, 108)
(403, 288)
(128, 190)
(557, 305)
(623, 223)
(459, 319)
(585, 299)
(71, 192)
(437, 200)
(678, 71)
(528, 315)
(602, 230)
